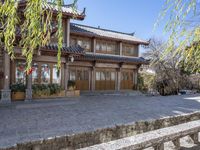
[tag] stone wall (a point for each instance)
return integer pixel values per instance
(104, 135)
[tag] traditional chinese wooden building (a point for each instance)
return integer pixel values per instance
(96, 59)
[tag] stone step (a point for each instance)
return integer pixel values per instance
(112, 93)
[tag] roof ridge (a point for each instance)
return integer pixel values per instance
(130, 34)
(63, 5)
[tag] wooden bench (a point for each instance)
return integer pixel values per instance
(155, 139)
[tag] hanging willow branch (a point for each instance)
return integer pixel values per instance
(184, 30)
(31, 29)
(59, 31)
(9, 21)
(35, 27)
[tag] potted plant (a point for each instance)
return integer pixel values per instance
(72, 92)
(71, 85)
(18, 91)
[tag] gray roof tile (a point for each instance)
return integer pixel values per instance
(98, 32)
(68, 9)
(65, 9)
(75, 49)
(113, 58)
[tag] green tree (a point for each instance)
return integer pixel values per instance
(184, 29)
(35, 27)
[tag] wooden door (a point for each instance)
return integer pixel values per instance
(82, 81)
(105, 80)
(127, 82)
(81, 77)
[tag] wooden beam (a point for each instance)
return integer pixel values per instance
(93, 78)
(66, 75)
(119, 79)
(120, 49)
(94, 45)
(107, 65)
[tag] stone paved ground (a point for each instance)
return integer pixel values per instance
(41, 119)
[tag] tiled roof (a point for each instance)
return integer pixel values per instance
(114, 58)
(76, 49)
(98, 32)
(66, 9)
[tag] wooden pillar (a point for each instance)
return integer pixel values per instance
(116, 80)
(29, 87)
(120, 49)
(66, 30)
(90, 79)
(135, 79)
(93, 78)
(6, 92)
(66, 75)
(119, 79)
(94, 45)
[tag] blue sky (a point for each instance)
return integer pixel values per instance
(129, 16)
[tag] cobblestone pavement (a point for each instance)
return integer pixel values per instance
(41, 119)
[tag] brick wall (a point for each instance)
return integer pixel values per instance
(104, 135)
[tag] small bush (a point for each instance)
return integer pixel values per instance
(46, 89)
(18, 87)
(146, 82)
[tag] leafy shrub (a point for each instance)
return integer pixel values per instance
(54, 88)
(146, 82)
(18, 87)
(46, 89)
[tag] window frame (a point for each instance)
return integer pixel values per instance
(130, 50)
(83, 41)
(39, 77)
(102, 46)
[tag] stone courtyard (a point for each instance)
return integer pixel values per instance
(25, 121)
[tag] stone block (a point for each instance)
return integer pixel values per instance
(159, 146)
(5, 96)
(195, 138)
(73, 93)
(176, 143)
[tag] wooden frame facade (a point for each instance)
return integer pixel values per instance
(89, 74)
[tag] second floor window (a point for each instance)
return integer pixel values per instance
(130, 50)
(106, 47)
(83, 42)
